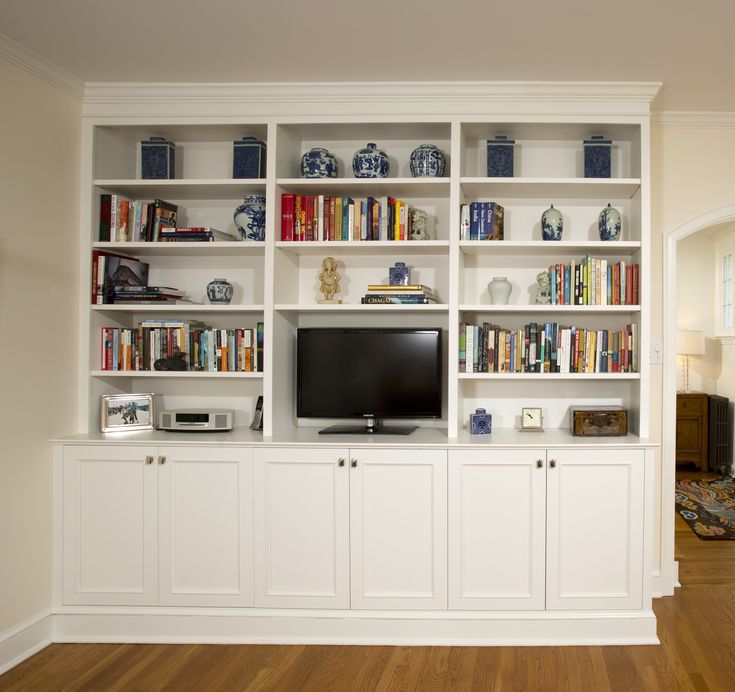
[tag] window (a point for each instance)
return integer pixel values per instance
(725, 288)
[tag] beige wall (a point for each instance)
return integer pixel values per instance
(40, 143)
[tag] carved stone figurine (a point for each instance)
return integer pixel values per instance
(419, 231)
(543, 293)
(329, 279)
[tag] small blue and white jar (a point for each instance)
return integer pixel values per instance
(248, 158)
(157, 159)
(250, 218)
(318, 163)
(481, 422)
(399, 275)
(219, 291)
(427, 161)
(597, 157)
(609, 223)
(370, 162)
(500, 157)
(552, 224)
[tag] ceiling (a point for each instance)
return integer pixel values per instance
(684, 44)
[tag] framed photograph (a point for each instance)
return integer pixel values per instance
(122, 412)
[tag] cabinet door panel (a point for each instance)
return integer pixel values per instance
(595, 529)
(109, 526)
(206, 528)
(398, 529)
(301, 528)
(497, 507)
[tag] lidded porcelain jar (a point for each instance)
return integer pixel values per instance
(250, 218)
(219, 291)
(427, 161)
(609, 223)
(499, 290)
(552, 224)
(318, 163)
(370, 162)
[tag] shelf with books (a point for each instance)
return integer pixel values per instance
(173, 374)
(549, 376)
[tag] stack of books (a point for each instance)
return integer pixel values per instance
(122, 220)
(191, 234)
(142, 295)
(385, 294)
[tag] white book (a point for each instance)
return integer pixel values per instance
(469, 347)
(320, 219)
(383, 234)
(351, 221)
(464, 223)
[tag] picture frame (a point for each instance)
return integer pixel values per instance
(126, 412)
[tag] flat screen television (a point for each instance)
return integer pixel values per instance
(370, 373)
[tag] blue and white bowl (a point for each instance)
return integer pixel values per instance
(318, 163)
(219, 291)
(250, 218)
(427, 161)
(609, 223)
(370, 162)
(552, 224)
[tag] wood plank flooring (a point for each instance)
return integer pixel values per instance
(697, 653)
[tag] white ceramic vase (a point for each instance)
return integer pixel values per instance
(499, 290)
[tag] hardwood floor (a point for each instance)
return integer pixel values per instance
(697, 652)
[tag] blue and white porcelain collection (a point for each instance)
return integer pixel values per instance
(609, 223)
(250, 218)
(219, 291)
(318, 163)
(370, 162)
(427, 161)
(552, 224)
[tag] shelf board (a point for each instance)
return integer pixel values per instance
(204, 188)
(189, 249)
(552, 188)
(365, 247)
(185, 308)
(395, 187)
(548, 248)
(178, 374)
(353, 307)
(549, 376)
(577, 309)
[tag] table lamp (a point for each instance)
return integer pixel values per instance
(689, 342)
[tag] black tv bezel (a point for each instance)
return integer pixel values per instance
(373, 419)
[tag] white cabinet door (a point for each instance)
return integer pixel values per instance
(301, 528)
(205, 526)
(398, 519)
(109, 510)
(497, 519)
(595, 529)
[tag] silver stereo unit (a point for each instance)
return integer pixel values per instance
(196, 419)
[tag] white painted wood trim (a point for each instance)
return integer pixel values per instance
(361, 627)
(25, 639)
(39, 67)
(694, 119)
(669, 568)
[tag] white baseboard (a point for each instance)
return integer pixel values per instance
(543, 630)
(25, 639)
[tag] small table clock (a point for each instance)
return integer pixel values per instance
(532, 420)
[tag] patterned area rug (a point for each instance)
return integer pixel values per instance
(708, 507)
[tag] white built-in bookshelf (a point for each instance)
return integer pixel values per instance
(276, 282)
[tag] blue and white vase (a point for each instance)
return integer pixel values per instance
(318, 163)
(370, 162)
(399, 275)
(597, 157)
(219, 291)
(552, 224)
(427, 161)
(609, 223)
(250, 218)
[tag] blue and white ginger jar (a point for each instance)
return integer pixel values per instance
(250, 218)
(318, 163)
(609, 223)
(370, 162)
(552, 224)
(219, 291)
(427, 161)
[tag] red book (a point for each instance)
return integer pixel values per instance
(310, 233)
(636, 293)
(629, 285)
(297, 218)
(287, 211)
(332, 205)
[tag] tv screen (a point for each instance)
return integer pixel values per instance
(369, 373)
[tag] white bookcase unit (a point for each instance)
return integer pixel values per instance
(365, 538)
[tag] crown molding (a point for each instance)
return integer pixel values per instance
(698, 119)
(31, 62)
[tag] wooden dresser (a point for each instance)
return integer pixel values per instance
(691, 428)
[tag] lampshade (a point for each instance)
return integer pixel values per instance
(690, 342)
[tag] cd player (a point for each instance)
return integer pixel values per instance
(196, 419)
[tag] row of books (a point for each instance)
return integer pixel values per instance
(328, 217)
(199, 347)
(385, 294)
(123, 220)
(482, 221)
(594, 281)
(547, 348)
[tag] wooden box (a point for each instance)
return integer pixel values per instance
(599, 421)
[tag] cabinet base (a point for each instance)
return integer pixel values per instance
(359, 627)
